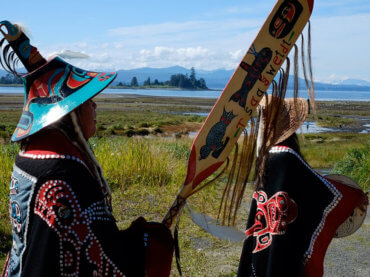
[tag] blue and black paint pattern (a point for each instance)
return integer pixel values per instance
(214, 142)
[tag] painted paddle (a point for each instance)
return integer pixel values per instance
(242, 94)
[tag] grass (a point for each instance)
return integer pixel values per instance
(138, 123)
(149, 163)
(143, 195)
(324, 150)
(356, 165)
(145, 173)
(9, 120)
(7, 156)
(333, 121)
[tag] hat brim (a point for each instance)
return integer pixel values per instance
(297, 111)
(291, 115)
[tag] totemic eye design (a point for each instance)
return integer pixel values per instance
(272, 217)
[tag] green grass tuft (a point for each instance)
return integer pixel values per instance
(356, 165)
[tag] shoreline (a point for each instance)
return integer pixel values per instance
(358, 88)
(119, 95)
(333, 116)
(163, 88)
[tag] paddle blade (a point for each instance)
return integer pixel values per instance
(242, 94)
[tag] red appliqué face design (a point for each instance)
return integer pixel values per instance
(272, 217)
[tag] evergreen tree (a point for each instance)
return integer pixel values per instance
(147, 82)
(184, 81)
(134, 82)
(202, 84)
(193, 79)
(10, 79)
(176, 80)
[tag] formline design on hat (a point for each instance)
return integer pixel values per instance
(53, 88)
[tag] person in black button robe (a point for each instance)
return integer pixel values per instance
(60, 203)
(295, 211)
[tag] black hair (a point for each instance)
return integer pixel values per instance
(293, 143)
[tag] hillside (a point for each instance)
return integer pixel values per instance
(217, 79)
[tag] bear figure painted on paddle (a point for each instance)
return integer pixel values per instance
(214, 138)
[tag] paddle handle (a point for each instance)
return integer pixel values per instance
(174, 211)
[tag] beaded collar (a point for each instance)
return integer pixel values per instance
(52, 146)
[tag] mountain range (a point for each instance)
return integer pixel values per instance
(217, 79)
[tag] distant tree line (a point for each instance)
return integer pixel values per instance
(176, 80)
(10, 79)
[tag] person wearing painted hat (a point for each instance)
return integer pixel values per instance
(295, 211)
(60, 203)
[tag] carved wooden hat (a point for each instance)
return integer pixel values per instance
(52, 88)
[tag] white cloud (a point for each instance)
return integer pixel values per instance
(183, 34)
(81, 44)
(237, 55)
(153, 29)
(338, 45)
(332, 78)
(118, 45)
(203, 44)
(165, 56)
(68, 54)
(199, 57)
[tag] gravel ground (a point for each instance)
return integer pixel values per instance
(349, 256)
(346, 257)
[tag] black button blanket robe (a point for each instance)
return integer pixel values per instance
(61, 225)
(293, 218)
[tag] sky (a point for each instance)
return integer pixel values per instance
(204, 34)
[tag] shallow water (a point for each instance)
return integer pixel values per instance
(308, 127)
(323, 95)
(367, 130)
